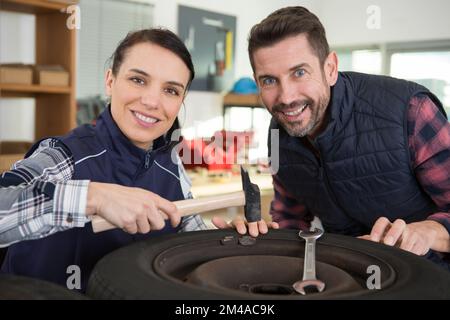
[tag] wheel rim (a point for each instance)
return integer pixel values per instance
(269, 267)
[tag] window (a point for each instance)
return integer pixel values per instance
(429, 68)
(103, 24)
(426, 62)
(364, 60)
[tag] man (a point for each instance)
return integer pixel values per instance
(368, 155)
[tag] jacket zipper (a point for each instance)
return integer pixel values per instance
(147, 160)
(323, 174)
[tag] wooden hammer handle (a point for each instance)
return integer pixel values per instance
(186, 208)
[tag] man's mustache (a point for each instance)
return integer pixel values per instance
(296, 104)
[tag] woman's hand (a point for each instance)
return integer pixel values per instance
(131, 209)
(239, 223)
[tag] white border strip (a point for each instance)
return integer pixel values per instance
(166, 169)
(93, 156)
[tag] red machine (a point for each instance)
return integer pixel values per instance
(219, 152)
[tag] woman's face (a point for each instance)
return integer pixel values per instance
(147, 92)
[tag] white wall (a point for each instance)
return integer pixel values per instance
(204, 109)
(248, 13)
(401, 20)
(17, 31)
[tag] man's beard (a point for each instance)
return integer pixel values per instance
(299, 129)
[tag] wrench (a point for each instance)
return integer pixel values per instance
(309, 266)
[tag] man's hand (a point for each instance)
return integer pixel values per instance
(416, 237)
(132, 209)
(254, 228)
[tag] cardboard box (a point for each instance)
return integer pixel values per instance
(16, 73)
(11, 152)
(51, 76)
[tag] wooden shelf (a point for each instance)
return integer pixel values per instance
(248, 100)
(20, 88)
(32, 6)
(55, 45)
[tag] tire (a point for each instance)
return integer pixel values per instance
(200, 265)
(22, 288)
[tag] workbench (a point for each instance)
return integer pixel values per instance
(206, 184)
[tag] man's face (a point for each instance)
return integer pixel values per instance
(294, 86)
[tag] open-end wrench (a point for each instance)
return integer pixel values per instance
(309, 265)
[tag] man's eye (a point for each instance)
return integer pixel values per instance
(268, 81)
(137, 80)
(300, 72)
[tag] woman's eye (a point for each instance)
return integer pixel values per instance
(268, 81)
(137, 80)
(300, 72)
(172, 91)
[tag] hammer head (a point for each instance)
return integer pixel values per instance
(252, 208)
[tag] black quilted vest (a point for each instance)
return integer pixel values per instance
(364, 169)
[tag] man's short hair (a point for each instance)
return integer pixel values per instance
(287, 22)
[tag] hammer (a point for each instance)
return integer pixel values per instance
(249, 197)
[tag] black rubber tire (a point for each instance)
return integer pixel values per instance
(130, 272)
(2, 254)
(22, 288)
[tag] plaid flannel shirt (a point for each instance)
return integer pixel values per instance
(38, 197)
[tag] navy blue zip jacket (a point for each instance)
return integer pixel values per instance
(102, 154)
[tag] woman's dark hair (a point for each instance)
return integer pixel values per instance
(287, 22)
(159, 36)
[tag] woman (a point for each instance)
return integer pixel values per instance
(120, 169)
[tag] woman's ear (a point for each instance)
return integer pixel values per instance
(109, 79)
(331, 68)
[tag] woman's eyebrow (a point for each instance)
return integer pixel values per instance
(174, 83)
(142, 72)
